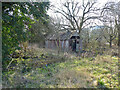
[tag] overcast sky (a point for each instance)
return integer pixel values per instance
(56, 3)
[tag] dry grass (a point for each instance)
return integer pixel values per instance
(102, 59)
(73, 79)
(72, 73)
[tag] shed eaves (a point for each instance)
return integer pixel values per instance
(61, 36)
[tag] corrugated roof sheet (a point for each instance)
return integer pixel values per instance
(62, 36)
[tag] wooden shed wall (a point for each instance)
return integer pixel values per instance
(63, 44)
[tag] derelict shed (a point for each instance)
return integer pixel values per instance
(65, 41)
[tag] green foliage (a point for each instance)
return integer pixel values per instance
(101, 82)
(49, 70)
(16, 24)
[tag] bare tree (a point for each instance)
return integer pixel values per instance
(78, 14)
(109, 34)
(118, 22)
(114, 9)
(109, 22)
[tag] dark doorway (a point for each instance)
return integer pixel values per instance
(74, 45)
(74, 42)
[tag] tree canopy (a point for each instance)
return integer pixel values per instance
(17, 18)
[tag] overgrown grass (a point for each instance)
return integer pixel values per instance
(50, 70)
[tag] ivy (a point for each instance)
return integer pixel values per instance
(15, 17)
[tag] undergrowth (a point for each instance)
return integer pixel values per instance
(49, 70)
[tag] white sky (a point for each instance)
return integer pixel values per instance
(56, 3)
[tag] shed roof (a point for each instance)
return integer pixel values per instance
(62, 36)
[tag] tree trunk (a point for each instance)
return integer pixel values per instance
(119, 49)
(119, 36)
(110, 41)
(110, 44)
(79, 52)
